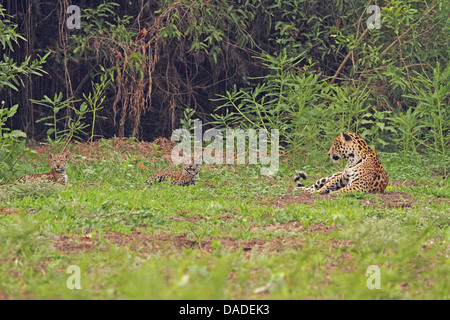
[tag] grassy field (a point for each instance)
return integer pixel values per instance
(234, 235)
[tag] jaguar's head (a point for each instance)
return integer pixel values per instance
(341, 147)
(191, 169)
(58, 161)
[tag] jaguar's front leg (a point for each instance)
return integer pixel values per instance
(351, 188)
(317, 185)
(336, 183)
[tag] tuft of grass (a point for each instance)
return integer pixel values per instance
(35, 189)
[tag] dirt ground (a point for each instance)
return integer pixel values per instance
(146, 244)
(121, 146)
(387, 200)
(124, 147)
(159, 241)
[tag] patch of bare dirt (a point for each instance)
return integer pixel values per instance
(303, 198)
(226, 217)
(150, 243)
(73, 244)
(391, 200)
(122, 146)
(163, 146)
(125, 146)
(155, 243)
(7, 211)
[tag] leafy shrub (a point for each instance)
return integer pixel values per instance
(12, 145)
(308, 111)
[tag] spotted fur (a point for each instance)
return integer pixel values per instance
(57, 174)
(363, 172)
(185, 177)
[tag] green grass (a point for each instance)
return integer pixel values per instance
(222, 238)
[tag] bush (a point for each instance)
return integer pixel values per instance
(12, 144)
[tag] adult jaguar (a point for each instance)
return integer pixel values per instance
(363, 172)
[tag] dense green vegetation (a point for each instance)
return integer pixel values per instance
(310, 68)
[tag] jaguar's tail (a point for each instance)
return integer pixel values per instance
(300, 175)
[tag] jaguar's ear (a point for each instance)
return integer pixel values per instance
(68, 155)
(50, 156)
(345, 137)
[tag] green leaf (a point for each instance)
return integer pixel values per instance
(16, 134)
(12, 111)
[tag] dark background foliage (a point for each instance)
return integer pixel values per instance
(166, 56)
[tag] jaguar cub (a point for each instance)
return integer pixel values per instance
(363, 172)
(185, 177)
(57, 174)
